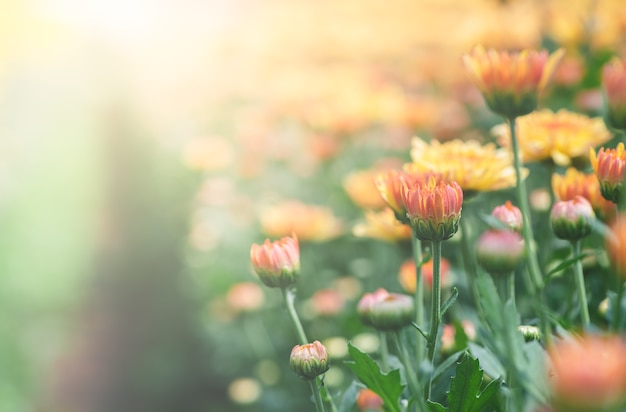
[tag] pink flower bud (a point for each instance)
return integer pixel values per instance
(571, 219)
(309, 360)
(499, 251)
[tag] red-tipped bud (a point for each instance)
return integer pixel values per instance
(386, 311)
(571, 219)
(309, 360)
(499, 251)
(609, 165)
(277, 263)
(509, 215)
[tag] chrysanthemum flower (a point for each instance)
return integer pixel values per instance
(307, 222)
(390, 185)
(368, 401)
(433, 208)
(277, 263)
(616, 245)
(609, 167)
(576, 183)
(509, 215)
(588, 375)
(382, 225)
(511, 82)
(559, 136)
(614, 85)
(475, 167)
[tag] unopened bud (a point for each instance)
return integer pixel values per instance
(529, 333)
(309, 360)
(571, 219)
(499, 251)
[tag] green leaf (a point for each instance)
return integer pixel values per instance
(494, 222)
(450, 301)
(569, 262)
(435, 407)
(488, 361)
(387, 386)
(465, 394)
(490, 300)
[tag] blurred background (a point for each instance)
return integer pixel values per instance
(144, 145)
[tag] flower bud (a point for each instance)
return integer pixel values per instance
(529, 333)
(499, 251)
(309, 360)
(510, 215)
(386, 311)
(277, 263)
(571, 219)
(614, 85)
(609, 166)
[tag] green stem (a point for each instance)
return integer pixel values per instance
(411, 376)
(536, 280)
(384, 351)
(319, 404)
(289, 295)
(419, 297)
(435, 317)
(511, 287)
(580, 286)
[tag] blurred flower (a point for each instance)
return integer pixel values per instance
(382, 225)
(307, 222)
(368, 401)
(448, 335)
(363, 190)
(609, 167)
(209, 154)
(529, 333)
(499, 251)
(559, 136)
(309, 360)
(433, 208)
(509, 215)
(475, 167)
(349, 287)
(614, 85)
(244, 390)
(540, 199)
(277, 263)
(575, 183)
(588, 375)
(571, 219)
(327, 302)
(511, 82)
(589, 100)
(386, 311)
(616, 245)
(407, 274)
(570, 71)
(245, 297)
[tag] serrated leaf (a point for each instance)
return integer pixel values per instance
(488, 361)
(435, 407)
(465, 394)
(386, 385)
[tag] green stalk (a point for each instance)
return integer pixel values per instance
(536, 281)
(319, 404)
(510, 289)
(468, 260)
(411, 376)
(435, 317)
(419, 297)
(289, 296)
(580, 286)
(384, 351)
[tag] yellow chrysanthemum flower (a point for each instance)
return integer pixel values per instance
(475, 167)
(559, 136)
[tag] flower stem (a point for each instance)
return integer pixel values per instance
(319, 405)
(469, 260)
(384, 351)
(511, 287)
(536, 281)
(419, 297)
(289, 295)
(580, 286)
(411, 376)
(435, 317)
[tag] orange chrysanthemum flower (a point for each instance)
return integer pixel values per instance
(475, 167)
(277, 263)
(433, 208)
(614, 85)
(362, 189)
(559, 136)
(575, 183)
(511, 82)
(588, 375)
(382, 225)
(308, 222)
(390, 185)
(609, 167)
(407, 275)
